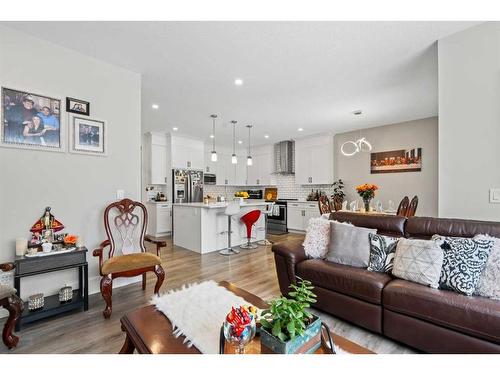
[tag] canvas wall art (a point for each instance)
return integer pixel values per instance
(396, 161)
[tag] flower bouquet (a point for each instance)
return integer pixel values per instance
(367, 193)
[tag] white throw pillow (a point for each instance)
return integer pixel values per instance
(317, 237)
(419, 261)
(489, 284)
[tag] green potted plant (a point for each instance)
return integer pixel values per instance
(287, 327)
(338, 195)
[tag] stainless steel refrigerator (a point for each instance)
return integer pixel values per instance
(187, 186)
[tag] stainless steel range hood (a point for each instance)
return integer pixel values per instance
(283, 157)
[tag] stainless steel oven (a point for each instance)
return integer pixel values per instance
(277, 220)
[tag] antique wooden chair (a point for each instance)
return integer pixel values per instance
(412, 208)
(14, 305)
(324, 205)
(403, 206)
(125, 222)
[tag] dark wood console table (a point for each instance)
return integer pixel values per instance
(31, 266)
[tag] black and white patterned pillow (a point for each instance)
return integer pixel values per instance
(464, 261)
(382, 250)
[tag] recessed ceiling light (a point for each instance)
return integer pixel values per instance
(266, 136)
(240, 142)
(357, 112)
(175, 129)
(238, 81)
(300, 129)
(155, 106)
(212, 136)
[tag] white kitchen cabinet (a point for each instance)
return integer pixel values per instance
(314, 160)
(299, 213)
(187, 153)
(155, 159)
(160, 218)
(295, 220)
(259, 174)
(311, 210)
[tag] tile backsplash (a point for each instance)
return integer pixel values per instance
(287, 188)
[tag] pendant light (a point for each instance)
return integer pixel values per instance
(214, 153)
(234, 158)
(249, 157)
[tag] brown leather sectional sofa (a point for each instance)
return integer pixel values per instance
(434, 321)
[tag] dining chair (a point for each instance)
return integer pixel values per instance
(403, 206)
(125, 222)
(324, 205)
(412, 208)
(337, 203)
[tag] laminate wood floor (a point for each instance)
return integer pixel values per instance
(89, 332)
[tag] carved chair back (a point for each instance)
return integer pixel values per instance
(403, 206)
(125, 222)
(412, 208)
(337, 203)
(324, 205)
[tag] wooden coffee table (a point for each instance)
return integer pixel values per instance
(148, 331)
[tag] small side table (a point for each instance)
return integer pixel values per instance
(31, 266)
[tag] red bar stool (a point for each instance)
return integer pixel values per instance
(249, 219)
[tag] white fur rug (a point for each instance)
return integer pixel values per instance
(197, 311)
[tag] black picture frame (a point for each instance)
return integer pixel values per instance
(72, 104)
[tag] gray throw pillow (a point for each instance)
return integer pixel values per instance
(464, 262)
(419, 261)
(382, 251)
(349, 245)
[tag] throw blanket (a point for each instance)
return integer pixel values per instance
(197, 311)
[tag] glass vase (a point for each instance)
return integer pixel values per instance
(366, 201)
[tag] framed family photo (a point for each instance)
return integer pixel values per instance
(88, 136)
(77, 106)
(30, 121)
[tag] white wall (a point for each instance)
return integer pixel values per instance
(469, 122)
(77, 187)
(355, 170)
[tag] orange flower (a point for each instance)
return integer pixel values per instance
(70, 239)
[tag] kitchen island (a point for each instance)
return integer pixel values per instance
(202, 227)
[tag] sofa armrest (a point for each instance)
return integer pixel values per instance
(286, 256)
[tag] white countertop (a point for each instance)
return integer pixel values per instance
(251, 202)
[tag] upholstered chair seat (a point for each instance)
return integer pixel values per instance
(6, 291)
(129, 262)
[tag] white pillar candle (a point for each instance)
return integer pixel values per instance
(21, 246)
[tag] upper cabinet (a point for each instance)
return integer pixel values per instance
(187, 153)
(155, 158)
(314, 160)
(260, 172)
(163, 152)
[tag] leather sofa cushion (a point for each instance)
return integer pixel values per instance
(6, 291)
(129, 262)
(387, 225)
(426, 227)
(475, 316)
(351, 281)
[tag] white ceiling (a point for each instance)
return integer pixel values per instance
(296, 74)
